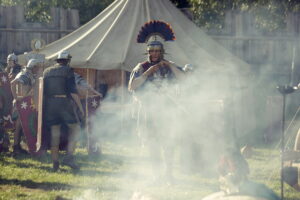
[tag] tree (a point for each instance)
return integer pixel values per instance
(39, 10)
(270, 14)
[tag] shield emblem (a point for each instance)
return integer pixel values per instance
(6, 99)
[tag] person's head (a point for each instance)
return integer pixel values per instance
(63, 57)
(12, 59)
(34, 65)
(155, 51)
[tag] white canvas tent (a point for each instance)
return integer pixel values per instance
(109, 40)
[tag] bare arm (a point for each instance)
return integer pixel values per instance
(13, 86)
(7, 69)
(136, 82)
(95, 91)
(77, 101)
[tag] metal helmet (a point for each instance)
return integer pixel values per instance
(64, 55)
(32, 62)
(155, 45)
(12, 57)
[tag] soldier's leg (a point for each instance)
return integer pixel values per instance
(17, 138)
(17, 133)
(69, 159)
(72, 139)
(55, 140)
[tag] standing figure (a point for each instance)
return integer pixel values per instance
(4, 137)
(13, 68)
(151, 82)
(27, 77)
(59, 90)
(27, 103)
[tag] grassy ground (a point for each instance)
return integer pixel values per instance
(122, 170)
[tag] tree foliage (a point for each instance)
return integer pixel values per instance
(269, 15)
(39, 10)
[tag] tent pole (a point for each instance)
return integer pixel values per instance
(87, 112)
(123, 80)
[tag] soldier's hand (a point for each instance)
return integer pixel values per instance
(165, 63)
(152, 69)
(155, 67)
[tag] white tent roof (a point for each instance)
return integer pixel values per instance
(109, 40)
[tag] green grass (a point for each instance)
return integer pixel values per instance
(123, 169)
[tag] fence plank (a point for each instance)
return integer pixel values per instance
(16, 33)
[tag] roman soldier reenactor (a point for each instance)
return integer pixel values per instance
(151, 81)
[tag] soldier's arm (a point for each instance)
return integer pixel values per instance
(77, 101)
(27, 90)
(13, 86)
(95, 91)
(7, 69)
(73, 91)
(179, 74)
(138, 77)
(136, 82)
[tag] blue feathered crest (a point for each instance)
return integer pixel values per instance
(156, 27)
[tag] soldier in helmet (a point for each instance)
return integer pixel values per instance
(27, 77)
(4, 137)
(59, 89)
(13, 68)
(151, 81)
(26, 80)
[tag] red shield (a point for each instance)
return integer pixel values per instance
(28, 116)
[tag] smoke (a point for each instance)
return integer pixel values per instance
(172, 129)
(168, 129)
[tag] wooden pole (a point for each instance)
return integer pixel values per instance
(40, 114)
(87, 113)
(123, 84)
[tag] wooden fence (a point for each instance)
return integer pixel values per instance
(16, 33)
(268, 52)
(272, 53)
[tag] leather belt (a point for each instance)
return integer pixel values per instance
(60, 96)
